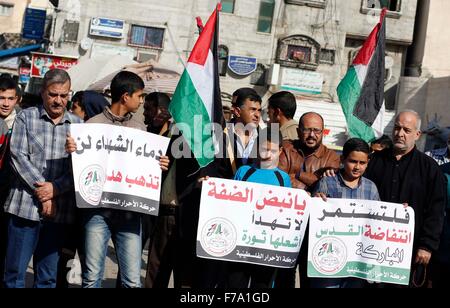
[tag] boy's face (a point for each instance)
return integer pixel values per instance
(133, 101)
(355, 164)
(78, 111)
(269, 154)
(8, 99)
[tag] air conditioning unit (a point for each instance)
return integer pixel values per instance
(273, 75)
(144, 56)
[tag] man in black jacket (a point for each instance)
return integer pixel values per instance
(403, 174)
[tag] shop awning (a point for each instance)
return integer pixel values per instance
(15, 52)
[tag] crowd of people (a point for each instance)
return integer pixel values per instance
(40, 220)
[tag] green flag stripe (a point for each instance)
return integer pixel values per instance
(349, 91)
(185, 105)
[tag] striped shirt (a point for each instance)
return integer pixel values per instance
(38, 155)
(335, 187)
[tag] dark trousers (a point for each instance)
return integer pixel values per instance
(72, 243)
(162, 253)
(3, 240)
(4, 191)
(41, 239)
(244, 275)
(286, 276)
(196, 272)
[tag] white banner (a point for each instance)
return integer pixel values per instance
(358, 238)
(117, 167)
(251, 223)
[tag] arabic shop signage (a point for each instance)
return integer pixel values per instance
(107, 27)
(34, 24)
(41, 63)
(242, 65)
(24, 74)
(301, 81)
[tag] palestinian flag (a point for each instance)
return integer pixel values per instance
(196, 102)
(361, 91)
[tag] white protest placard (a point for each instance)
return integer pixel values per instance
(251, 223)
(371, 240)
(117, 167)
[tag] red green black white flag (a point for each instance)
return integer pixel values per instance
(361, 91)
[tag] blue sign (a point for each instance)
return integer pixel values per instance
(107, 27)
(34, 24)
(24, 78)
(242, 65)
(24, 74)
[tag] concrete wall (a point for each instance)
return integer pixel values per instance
(331, 26)
(340, 25)
(13, 23)
(436, 61)
(430, 97)
(430, 94)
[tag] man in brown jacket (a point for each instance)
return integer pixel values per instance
(305, 160)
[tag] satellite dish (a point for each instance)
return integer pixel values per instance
(86, 43)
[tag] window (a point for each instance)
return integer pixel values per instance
(394, 7)
(299, 51)
(6, 9)
(223, 60)
(71, 31)
(327, 56)
(228, 6)
(391, 5)
(146, 36)
(313, 3)
(265, 18)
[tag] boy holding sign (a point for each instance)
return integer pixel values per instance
(240, 275)
(348, 183)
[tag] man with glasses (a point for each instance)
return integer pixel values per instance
(305, 160)
(41, 201)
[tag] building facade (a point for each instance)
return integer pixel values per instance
(304, 46)
(427, 88)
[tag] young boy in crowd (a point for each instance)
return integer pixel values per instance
(348, 183)
(264, 172)
(127, 93)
